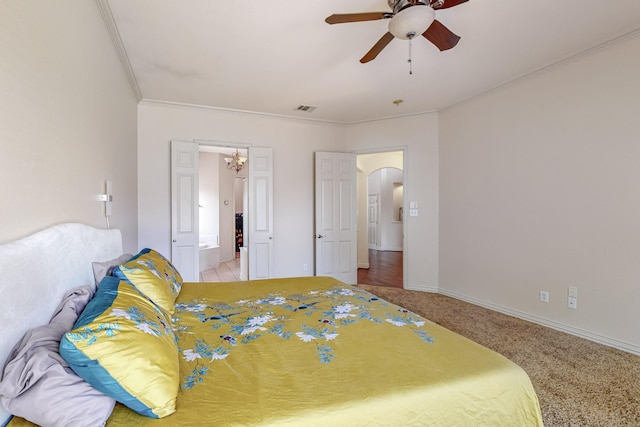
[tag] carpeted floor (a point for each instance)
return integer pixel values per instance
(578, 382)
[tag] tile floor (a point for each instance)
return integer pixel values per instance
(228, 271)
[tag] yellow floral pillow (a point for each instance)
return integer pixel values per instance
(124, 346)
(154, 276)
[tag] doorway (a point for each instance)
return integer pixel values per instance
(257, 241)
(222, 213)
(381, 227)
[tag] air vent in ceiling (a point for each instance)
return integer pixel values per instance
(305, 108)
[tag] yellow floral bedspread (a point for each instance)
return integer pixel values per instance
(316, 352)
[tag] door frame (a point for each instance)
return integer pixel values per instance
(405, 200)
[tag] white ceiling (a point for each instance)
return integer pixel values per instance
(270, 56)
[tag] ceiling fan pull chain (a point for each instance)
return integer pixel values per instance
(409, 60)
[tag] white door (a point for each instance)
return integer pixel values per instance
(372, 219)
(260, 236)
(335, 219)
(184, 210)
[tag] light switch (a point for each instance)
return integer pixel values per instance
(413, 212)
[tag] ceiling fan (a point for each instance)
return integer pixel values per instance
(408, 19)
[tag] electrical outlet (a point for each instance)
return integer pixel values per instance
(544, 296)
(305, 267)
(572, 297)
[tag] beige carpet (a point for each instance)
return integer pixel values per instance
(578, 382)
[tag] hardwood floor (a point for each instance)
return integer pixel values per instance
(385, 269)
(228, 271)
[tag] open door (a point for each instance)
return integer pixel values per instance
(184, 210)
(260, 233)
(335, 216)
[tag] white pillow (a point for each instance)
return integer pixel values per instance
(102, 269)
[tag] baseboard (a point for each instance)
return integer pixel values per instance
(562, 327)
(424, 288)
(363, 265)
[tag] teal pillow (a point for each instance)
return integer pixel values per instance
(124, 346)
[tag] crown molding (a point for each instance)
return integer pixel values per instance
(112, 28)
(147, 101)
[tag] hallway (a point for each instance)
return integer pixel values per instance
(385, 269)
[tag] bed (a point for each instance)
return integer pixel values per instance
(278, 352)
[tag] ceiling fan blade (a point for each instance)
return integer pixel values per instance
(441, 36)
(450, 3)
(377, 48)
(341, 18)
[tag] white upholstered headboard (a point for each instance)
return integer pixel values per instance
(36, 271)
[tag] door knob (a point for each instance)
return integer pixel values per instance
(174, 240)
(319, 236)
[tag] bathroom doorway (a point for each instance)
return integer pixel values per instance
(222, 213)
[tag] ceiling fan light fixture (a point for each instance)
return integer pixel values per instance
(411, 22)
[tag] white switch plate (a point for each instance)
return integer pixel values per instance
(413, 212)
(544, 296)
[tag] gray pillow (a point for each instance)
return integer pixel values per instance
(38, 384)
(102, 269)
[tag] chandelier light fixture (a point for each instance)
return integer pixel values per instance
(236, 161)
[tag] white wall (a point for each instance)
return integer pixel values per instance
(67, 120)
(209, 196)
(389, 229)
(392, 229)
(227, 212)
(373, 188)
(540, 185)
(293, 142)
(419, 134)
(238, 190)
